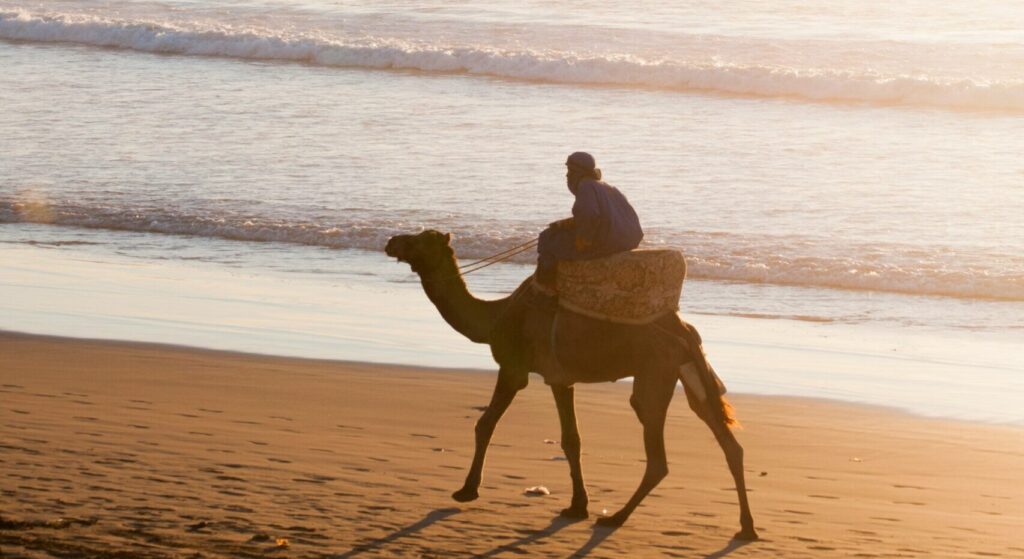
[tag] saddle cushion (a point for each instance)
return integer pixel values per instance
(635, 287)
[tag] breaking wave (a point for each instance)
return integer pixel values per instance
(894, 269)
(217, 40)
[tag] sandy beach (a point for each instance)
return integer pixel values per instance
(116, 449)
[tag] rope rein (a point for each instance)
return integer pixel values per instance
(502, 255)
(491, 260)
(495, 258)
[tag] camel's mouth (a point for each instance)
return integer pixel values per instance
(395, 247)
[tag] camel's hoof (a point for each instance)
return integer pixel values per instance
(746, 534)
(465, 495)
(613, 521)
(576, 512)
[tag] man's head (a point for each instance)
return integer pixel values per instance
(580, 165)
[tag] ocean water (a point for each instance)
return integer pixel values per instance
(838, 163)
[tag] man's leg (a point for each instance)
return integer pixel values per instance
(552, 246)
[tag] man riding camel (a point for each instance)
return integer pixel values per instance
(602, 223)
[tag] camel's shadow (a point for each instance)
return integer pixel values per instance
(598, 536)
(557, 523)
(375, 545)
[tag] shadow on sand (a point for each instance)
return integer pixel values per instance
(557, 523)
(375, 545)
(733, 545)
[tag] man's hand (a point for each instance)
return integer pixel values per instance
(567, 223)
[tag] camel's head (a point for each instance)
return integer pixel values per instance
(423, 251)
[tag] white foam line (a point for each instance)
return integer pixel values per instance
(547, 67)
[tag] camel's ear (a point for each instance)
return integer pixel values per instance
(447, 238)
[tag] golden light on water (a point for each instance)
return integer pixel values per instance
(32, 206)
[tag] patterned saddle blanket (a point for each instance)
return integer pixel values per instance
(635, 287)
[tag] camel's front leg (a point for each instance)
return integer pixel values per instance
(504, 391)
(564, 399)
(650, 400)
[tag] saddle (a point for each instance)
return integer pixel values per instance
(635, 287)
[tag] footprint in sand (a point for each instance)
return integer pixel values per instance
(13, 386)
(280, 460)
(422, 436)
(209, 410)
(21, 412)
(830, 497)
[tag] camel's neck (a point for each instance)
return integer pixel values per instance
(471, 317)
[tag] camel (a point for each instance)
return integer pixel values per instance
(586, 350)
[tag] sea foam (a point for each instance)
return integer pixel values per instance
(759, 260)
(543, 66)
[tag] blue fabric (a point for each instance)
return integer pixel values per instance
(603, 217)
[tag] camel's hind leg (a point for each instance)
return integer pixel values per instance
(651, 397)
(733, 456)
(509, 384)
(564, 396)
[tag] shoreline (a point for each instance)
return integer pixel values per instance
(15, 336)
(366, 309)
(159, 451)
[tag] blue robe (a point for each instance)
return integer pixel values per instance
(603, 217)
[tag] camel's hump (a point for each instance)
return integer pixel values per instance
(634, 287)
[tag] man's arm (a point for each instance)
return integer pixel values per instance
(587, 216)
(567, 223)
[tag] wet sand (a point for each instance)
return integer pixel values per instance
(112, 449)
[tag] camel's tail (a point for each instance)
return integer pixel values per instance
(702, 383)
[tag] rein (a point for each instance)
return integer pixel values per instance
(495, 258)
(491, 260)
